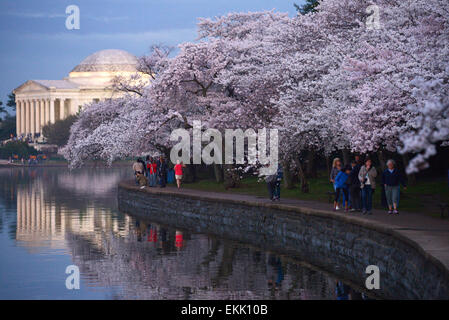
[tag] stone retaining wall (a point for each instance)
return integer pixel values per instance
(339, 246)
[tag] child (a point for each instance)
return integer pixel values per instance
(341, 186)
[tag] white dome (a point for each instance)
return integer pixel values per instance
(108, 60)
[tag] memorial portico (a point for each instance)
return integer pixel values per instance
(39, 102)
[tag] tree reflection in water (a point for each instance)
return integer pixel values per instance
(56, 214)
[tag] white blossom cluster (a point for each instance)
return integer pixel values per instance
(327, 80)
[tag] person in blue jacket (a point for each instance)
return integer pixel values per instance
(342, 291)
(341, 187)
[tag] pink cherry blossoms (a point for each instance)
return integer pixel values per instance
(327, 80)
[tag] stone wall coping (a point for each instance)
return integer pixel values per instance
(439, 257)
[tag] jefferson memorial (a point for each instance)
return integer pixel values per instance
(39, 102)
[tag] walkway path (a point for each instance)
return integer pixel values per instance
(431, 234)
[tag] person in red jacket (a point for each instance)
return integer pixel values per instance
(152, 170)
(178, 172)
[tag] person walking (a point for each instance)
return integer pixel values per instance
(342, 291)
(178, 173)
(139, 172)
(271, 183)
(354, 187)
(341, 185)
(277, 186)
(139, 169)
(162, 172)
(367, 178)
(336, 168)
(147, 168)
(152, 172)
(142, 181)
(171, 175)
(392, 179)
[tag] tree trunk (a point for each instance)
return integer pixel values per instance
(190, 173)
(230, 176)
(346, 157)
(311, 165)
(411, 178)
(381, 157)
(224, 167)
(302, 176)
(328, 166)
(218, 171)
(288, 179)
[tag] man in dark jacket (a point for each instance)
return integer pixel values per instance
(392, 178)
(354, 187)
(162, 172)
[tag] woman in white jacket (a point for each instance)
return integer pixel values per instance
(367, 177)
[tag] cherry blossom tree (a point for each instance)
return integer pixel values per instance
(148, 67)
(333, 79)
(181, 91)
(431, 125)
(410, 43)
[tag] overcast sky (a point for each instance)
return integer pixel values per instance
(37, 45)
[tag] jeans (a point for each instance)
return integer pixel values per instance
(340, 191)
(271, 186)
(152, 178)
(354, 195)
(392, 195)
(342, 196)
(162, 180)
(367, 198)
(277, 190)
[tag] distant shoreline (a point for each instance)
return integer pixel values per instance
(61, 164)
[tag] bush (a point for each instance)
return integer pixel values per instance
(7, 127)
(22, 149)
(58, 133)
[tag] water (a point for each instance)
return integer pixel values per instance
(51, 218)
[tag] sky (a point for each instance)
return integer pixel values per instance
(35, 43)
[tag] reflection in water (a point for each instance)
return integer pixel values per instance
(51, 218)
(38, 224)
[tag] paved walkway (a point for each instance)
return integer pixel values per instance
(431, 234)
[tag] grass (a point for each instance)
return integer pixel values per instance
(424, 196)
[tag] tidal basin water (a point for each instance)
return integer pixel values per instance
(51, 218)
